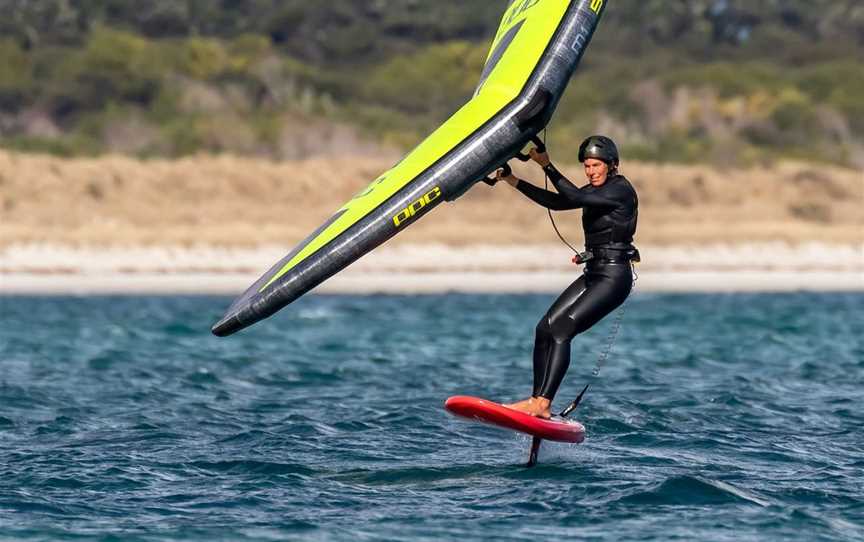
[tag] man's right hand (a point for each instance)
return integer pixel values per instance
(509, 179)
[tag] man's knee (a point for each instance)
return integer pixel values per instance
(544, 328)
(562, 329)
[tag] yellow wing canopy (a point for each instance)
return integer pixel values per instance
(525, 32)
(519, 59)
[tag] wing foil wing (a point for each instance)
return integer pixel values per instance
(531, 40)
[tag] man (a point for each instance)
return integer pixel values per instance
(610, 210)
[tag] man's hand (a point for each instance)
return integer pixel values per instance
(541, 158)
(509, 179)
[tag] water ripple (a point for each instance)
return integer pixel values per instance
(721, 417)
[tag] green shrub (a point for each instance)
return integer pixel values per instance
(70, 145)
(438, 78)
(247, 49)
(794, 114)
(202, 58)
(837, 84)
(729, 79)
(16, 76)
(182, 136)
(114, 66)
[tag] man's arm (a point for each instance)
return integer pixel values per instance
(575, 196)
(546, 198)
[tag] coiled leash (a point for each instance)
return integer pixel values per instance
(607, 350)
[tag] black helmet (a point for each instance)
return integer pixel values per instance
(600, 148)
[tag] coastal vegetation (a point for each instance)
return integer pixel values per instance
(690, 81)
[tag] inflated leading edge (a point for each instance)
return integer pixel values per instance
(535, 52)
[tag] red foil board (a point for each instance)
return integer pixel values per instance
(490, 412)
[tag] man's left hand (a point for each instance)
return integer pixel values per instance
(541, 158)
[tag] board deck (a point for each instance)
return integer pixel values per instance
(557, 429)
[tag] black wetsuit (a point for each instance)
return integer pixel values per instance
(609, 220)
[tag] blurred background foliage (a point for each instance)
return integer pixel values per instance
(719, 81)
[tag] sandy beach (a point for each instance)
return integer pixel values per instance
(45, 269)
(213, 224)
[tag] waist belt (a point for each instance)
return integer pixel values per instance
(608, 255)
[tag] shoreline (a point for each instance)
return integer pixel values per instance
(411, 269)
(430, 283)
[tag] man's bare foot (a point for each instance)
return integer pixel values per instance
(539, 407)
(522, 406)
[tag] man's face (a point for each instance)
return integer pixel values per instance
(597, 171)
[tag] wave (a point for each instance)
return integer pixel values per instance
(693, 491)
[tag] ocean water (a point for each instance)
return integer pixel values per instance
(717, 417)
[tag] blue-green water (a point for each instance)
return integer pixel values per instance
(734, 417)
